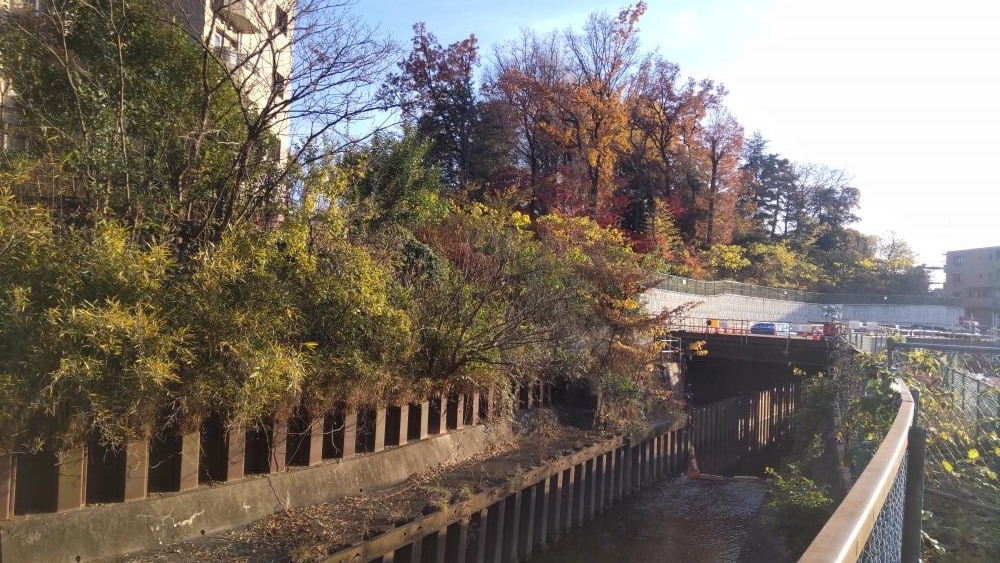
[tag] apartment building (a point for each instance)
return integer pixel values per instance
(251, 37)
(973, 276)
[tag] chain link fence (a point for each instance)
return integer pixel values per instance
(886, 540)
(961, 412)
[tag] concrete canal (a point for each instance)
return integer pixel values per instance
(684, 520)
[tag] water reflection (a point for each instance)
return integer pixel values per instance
(677, 520)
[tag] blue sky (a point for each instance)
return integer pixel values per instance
(901, 94)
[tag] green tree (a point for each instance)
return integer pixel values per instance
(503, 304)
(87, 350)
(114, 121)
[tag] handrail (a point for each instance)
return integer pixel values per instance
(845, 534)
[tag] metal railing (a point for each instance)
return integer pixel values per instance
(701, 287)
(232, 57)
(872, 523)
(975, 397)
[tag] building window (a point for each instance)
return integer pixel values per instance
(957, 278)
(280, 19)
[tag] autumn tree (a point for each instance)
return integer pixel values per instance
(665, 110)
(592, 105)
(502, 305)
(722, 143)
(616, 346)
(524, 76)
(435, 91)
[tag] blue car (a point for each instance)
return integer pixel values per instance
(770, 329)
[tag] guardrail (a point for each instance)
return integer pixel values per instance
(809, 331)
(874, 522)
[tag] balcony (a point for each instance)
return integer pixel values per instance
(232, 57)
(241, 14)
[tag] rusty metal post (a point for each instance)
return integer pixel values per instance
(72, 487)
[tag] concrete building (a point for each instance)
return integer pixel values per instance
(973, 276)
(252, 38)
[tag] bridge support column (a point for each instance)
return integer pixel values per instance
(512, 528)
(569, 494)
(442, 414)
(526, 533)
(350, 433)
(474, 406)
(593, 483)
(496, 531)
(582, 484)
(404, 423)
(460, 544)
(608, 494)
(482, 525)
(629, 468)
(380, 417)
(417, 550)
(459, 411)
(647, 463)
(441, 545)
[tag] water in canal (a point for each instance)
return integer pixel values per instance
(684, 520)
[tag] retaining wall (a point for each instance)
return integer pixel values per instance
(53, 506)
(742, 307)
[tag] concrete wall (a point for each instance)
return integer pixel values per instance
(115, 529)
(754, 309)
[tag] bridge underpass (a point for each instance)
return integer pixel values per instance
(736, 365)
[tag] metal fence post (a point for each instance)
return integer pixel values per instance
(913, 507)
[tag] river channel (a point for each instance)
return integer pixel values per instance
(684, 520)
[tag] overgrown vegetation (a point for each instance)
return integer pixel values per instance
(801, 499)
(959, 412)
(808, 486)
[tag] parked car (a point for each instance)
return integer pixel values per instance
(771, 329)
